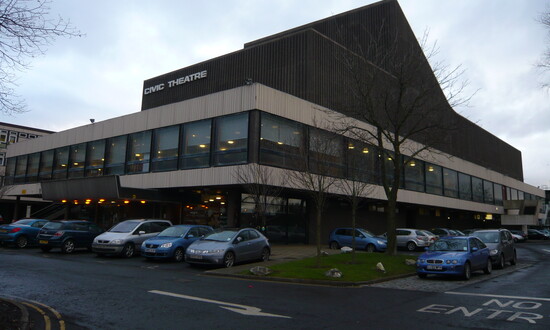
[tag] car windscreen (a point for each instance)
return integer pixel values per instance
(366, 233)
(221, 236)
(173, 231)
(23, 222)
(449, 245)
(124, 227)
(487, 237)
(53, 225)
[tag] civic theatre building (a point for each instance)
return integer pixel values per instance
(200, 126)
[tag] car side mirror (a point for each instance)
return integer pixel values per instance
(190, 236)
(239, 239)
(141, 232)
(474, 249)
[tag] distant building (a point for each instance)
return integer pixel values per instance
(177, 158)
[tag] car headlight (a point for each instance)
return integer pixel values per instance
(420, 261)
(454, 261)
(191, 250)
(381, 243)
(166, 245)
(116, 241)
(494, 252)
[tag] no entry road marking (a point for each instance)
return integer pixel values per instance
(241, 309)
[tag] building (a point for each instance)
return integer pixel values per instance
(10, 134)
(200, 126)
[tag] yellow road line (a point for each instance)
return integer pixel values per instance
(56, 313)
(46, 317)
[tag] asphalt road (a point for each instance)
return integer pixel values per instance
(82, 291)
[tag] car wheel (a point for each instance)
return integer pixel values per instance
(22, 242)
(489, 268)
(501, 261)
(179, 255)
(45, 248)
(68, 246)
(128, 250)
(334, 245)
(467, 271)
(411, 246)
(229, 259)
(371, 248)
(422, 275)
(514, 259)
(265, 254)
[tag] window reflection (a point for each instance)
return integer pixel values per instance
(450, 183)
(196, 144)
(32, 167)
(61, 162)
(231, 145)
(21, 169)
(326, 153)
(281, 142)
(77, 159)
(116, 155)
(414, 175)
(434, 179)
(139, 152)
(165, 149)
(95, 158)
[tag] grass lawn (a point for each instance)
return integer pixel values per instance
(364, 268)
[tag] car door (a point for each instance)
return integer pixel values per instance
(80, 234)
(478, 257)
(142, 232)
(93, 231)
(192, 235)
(256, 244)
(507, 244)
(402, 236)
(35, 228)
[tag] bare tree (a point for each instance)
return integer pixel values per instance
(544, 63)
(356, 187)
(392, 87)
(321, 167)
(25, 31)
(262, 185)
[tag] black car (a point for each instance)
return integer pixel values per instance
(536, 234)
(68, 235)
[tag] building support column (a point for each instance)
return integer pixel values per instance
(16, 208)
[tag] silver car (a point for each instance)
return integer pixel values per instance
(411, 239)
(229, 246)
(126, 237)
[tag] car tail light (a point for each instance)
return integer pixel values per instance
(15, 230)
(422, 238)
(59, 233)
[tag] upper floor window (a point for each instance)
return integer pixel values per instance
(61, 162)
(77, 158)
(434, 179)
(231, 144)
(281, 142)
(165, 148)
(139, 152)
(115, 155)
(414, 175)
(196, 144)
(95, 158)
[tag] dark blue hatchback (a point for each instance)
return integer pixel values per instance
(172, 242)
(364, 239)
(68, 235)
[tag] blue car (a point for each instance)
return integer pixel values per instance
(364, 239)
(172, 242)
(68, 235)
(21, 233)
(456, 256)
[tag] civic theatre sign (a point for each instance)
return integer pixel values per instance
(175, 82)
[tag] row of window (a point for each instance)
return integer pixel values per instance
(7, 136)
(225, 141)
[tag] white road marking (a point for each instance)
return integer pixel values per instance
(241, 309)
(496, 296)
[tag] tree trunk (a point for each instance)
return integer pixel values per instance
(318, 235)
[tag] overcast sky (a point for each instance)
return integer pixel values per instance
(101, 75)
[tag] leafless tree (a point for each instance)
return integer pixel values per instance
(544, 63)
(25, 32)
(319, 173)
(262, 184)
(408, 111)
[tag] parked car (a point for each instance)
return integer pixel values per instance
(172, 242)
(229, 246)
(468, 232)
(68, 235)
(431, 236)
(442, 232)
(125, 237)
(364, 239)
(518, 238)
(21, 233)
(411, 239)
(536, 234)
(455, 256)
(501, 245)
(520, 233)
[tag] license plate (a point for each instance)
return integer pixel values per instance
(42, 242)
(150, 250)
(195, 257)
(432, 267)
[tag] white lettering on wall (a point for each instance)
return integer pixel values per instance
(176, 82)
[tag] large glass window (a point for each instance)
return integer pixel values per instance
(165, 148)
(60, 163)
(488, 192)
(326, 153)
(362, 165)
(450, 183)
(10, 170)
(46, 165)
(139, 152)
(231, 145)
(32, 167)
(21, 169)
(196, 144)
(116, 155)
(95, 157)
(281, 142)
(477, 189)
(414, 175)
(498, 194)
(465, 186)
(77, 158)
(434, 179)
(521, 195)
